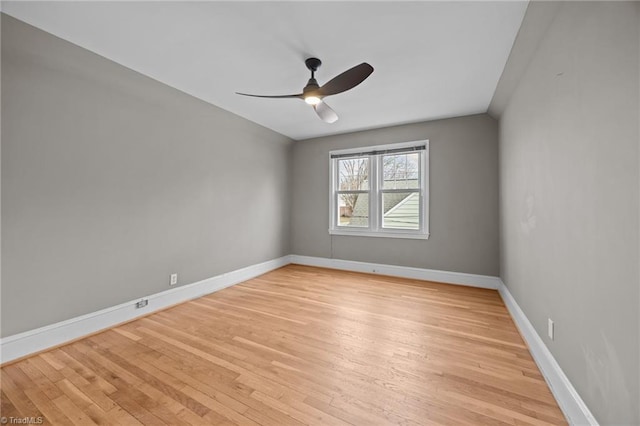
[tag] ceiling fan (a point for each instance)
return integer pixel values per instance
(313, 94)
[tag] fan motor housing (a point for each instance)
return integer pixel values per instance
(311, 87)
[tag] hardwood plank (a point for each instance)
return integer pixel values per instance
(6, 406)
(76, 415)
(15, 395)
(82, 401)
(300, 411)
(299, 345)
(48, 408)
(47, 369)
(41, 382)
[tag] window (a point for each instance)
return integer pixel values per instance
(380, 191)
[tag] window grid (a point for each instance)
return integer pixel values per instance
(375, 179)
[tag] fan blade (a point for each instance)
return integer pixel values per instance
(347, 80)
(325, 113)
(269, 96)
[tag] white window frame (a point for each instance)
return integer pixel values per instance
(375, 228)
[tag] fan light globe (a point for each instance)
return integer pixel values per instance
(312, 100)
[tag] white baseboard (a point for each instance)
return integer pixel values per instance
(573, 407)
(32, 341)
(472, 280)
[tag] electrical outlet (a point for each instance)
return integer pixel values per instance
(550, 329)
(142, 303)
(174, 279)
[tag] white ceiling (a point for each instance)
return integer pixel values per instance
(432, 59)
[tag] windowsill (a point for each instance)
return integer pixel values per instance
(355, 233)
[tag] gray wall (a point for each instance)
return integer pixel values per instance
(463, 185)
(0, 176)
(569, 190)
(111, 181)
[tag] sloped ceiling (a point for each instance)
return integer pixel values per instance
(432, 59)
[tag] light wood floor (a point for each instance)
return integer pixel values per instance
(299, 345)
